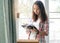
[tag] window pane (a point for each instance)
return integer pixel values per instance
(54, 15)
(24, 7)
(54, 29)
(54, 5)
(25, 10)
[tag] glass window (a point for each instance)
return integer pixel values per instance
(54, 15)
(54, 29)
(54, 20)
(23, 15)
(24, 7)
(54, 5)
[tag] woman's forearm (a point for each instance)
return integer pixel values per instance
(43, 33)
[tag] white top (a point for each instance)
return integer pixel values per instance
(36, 24)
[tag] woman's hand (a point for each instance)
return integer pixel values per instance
(28, 31)
(43, 33)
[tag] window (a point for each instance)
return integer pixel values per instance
(23, 15)
(24, 9)
(54, 18)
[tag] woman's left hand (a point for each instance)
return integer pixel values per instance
(42, 33)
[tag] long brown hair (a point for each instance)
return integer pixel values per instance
(43, 15)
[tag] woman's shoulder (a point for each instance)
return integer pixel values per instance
(45, 22)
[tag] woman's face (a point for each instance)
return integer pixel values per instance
(36, 9)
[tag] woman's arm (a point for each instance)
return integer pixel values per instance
(46, 28)
(28, 33)
(45, 31)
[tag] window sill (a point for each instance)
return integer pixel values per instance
(26, 41)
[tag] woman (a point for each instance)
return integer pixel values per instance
(39, 17)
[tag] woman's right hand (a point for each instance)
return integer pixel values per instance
(28, 31)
